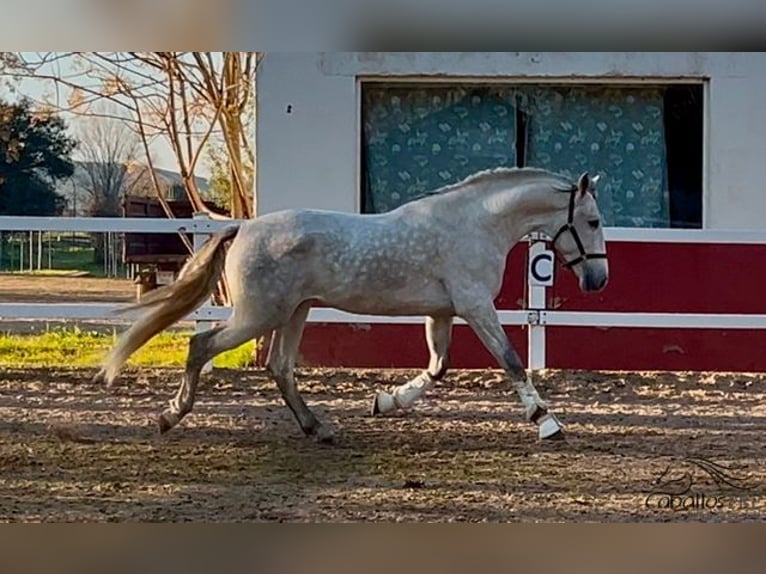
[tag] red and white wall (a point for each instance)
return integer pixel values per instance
(308, 156)
(669, 278)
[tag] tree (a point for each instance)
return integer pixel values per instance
(220, 182)
(35, 152)
(188, 98)
(109, 152)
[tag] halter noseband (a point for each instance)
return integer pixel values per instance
(569, 226)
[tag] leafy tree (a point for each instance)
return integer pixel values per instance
(35, 152)
(220, 187)
(219, 183)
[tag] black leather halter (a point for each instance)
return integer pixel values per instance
(569, 226)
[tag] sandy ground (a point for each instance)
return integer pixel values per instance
(62, 289)
(72, 451)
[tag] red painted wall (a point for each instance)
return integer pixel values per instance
(394, 346)
(674, 278)
(648, 277)
(656, 349)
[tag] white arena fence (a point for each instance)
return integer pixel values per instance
(536, 316)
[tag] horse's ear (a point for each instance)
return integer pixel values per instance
(583, 184)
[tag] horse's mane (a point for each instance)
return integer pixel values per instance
(503, 175)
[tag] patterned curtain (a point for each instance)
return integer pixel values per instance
(418, 139)
(618, 133)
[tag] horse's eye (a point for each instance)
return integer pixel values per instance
(594, 223)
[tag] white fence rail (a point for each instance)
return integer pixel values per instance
(199, 224)
(537, 317)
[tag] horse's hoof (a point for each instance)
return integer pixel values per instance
(167, 421)
(556, 436)
(550, 428)
(382, 404)
(535, 413)
(324, 435)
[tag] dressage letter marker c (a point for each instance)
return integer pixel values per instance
(541, 269)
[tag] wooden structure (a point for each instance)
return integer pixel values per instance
(159, 256)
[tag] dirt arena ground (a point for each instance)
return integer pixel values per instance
(63, 289)
(74, 451)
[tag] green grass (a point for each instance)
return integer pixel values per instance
(65, 256)
(75, 259)
(77, 348)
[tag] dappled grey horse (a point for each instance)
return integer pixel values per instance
(442, 256)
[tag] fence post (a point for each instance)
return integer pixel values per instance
(535, 304)
(39, 250)
(199, 240)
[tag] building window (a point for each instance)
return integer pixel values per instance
(645, 140)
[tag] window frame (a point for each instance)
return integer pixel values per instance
(461, 80)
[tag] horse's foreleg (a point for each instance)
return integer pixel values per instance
(485, 323)
(202, 347)
(281, 364)
(438, 337)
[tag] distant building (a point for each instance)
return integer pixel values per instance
(76, 189)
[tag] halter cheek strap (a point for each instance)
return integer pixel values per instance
(569, 226)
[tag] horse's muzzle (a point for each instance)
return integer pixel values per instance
(593, 281)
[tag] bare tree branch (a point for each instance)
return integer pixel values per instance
(194, 101)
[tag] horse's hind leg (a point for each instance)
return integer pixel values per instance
(438, 337)
(203, 347)
(281, 363)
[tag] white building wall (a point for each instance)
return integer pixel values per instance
(309, 156)
(306, 138)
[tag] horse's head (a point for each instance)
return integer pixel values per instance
(579, 239)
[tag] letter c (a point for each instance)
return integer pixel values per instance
(541, 257)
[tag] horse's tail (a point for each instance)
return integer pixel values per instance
(168, 304)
